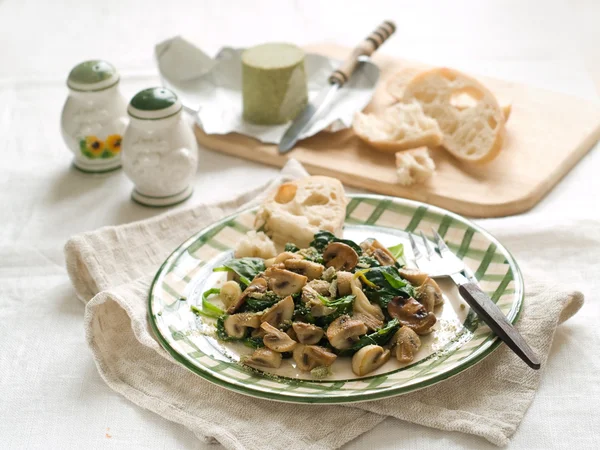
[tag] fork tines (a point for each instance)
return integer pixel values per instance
(442, 247)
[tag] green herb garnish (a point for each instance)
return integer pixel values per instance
(245, 268)
(388, 284)
(378, 337)
(292, 248)
(397, 252)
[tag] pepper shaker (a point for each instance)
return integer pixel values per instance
(160, 153)
(94, 117)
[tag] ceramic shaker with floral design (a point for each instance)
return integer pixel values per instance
(160, 153)
(94, 117)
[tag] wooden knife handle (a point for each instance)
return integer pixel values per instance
(366, 48)
(489, 312)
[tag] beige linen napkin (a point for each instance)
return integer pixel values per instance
(112, 269)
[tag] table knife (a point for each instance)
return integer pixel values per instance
(336, 81)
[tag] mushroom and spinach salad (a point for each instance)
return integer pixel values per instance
(333, 299)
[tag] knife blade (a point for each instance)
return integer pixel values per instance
(315, 109)
(311, 113)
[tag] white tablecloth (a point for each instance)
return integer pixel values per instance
(54, 399)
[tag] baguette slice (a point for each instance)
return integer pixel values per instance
(400, 127)
(296, 210)
(254, 245)
(473, 134)
(396, 84)
(414, 166)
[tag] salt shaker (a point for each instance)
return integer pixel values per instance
(160, 153)
(94, 117)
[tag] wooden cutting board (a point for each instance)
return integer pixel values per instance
(546, 135)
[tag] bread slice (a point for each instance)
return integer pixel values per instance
(473, 134)
(255, 245)
(296, 210)
(396, 84)
(400, 127)
(414, 166)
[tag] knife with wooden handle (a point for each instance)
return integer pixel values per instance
(337, 79)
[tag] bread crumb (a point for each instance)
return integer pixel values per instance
(414, 166)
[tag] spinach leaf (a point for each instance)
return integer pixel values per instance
(245, 268)
(259, 304)
(220, 326)
(207, 309)
(302, 311)
(379, 337)
(289, 247)
(254, 342)
(342, 305)
(323, 238)
(365, 262)
(342, 302)
(388, 284)
(398, 252)
(265, 301)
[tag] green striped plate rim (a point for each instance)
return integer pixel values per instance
(176, 328)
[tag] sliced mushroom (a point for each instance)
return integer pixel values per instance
(264, 357)
(279, 313)
(237, 324)
(259, 284)
(269, 262)
(405, 344)
(308, 357)
(374, 248)
(320, 286)
(345, 331)
(230, 293)
(412, 314)
(258, 333)
(311, 270)
(307, 333)
(368, 359)
(277, 340)
(371, 322)
(413, 276)
(292, 333)
(283, 282)
(283, 257)
(340, 256)
(344, 283)
(311, 298)
(362, 306)
(429, 294)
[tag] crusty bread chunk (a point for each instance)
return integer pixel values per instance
(296, 210)
(414, 166)
(473, 134)
(397, 83)
(257, 245)
(400, 127)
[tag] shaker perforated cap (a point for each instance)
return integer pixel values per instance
(94, 75)
(154, 103)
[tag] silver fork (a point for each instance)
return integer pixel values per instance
(447, 265)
